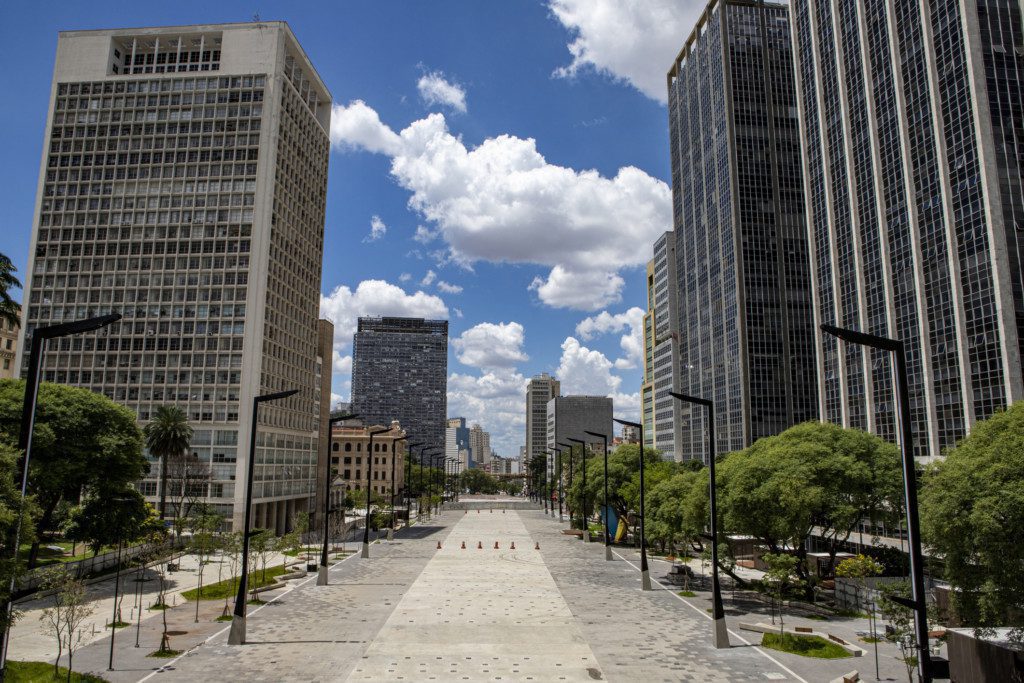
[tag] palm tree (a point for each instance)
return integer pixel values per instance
(10, 310)
(167, 435)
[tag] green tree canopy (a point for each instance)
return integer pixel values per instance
(112, 516)
(972, 516)
(477, 481)
(82, 442)
(168, 434)
(10, 311)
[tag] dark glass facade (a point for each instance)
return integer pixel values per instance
(911, 114)
(400, 372)
(745, 317)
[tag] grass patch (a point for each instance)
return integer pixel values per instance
(688, 594)
(224, 617)
(118, 624)
(42, 672)
(805, 646)
(312, 550)
(229, 587)
(256, 601)
(164, 654)
(159, 606)
(871, 639)
(817, 617)
(851, 614)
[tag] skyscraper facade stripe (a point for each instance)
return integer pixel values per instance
(745, 321)
(183, 184)
(913, 213)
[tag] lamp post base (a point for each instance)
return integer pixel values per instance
(721, 634)
(645, 580)
(237, 634)
(391, 535)
(608, 553)
(321, 575)
(586, 536)
(366, 551)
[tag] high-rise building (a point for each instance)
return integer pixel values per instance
(912, 121)
(456, 442)
(572, 417)
(324, 363)
(183, 185)
(661, 412)
(400, 372)
(541, 389)
(8, 349)
(746, 336)
(480, 445)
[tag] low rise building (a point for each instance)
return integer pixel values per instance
(356, 466)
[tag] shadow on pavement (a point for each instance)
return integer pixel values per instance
(420, 531)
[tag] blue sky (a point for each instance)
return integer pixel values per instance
(500, 164)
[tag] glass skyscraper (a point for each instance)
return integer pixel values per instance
(746, 337)
(183, 185)
(400, 372)
(912, 130)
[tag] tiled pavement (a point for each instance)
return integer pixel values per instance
(415, 613)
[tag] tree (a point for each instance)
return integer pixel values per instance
(167, 435)
(623, 479)
(82, 442)
(476, 480)
(300, 527)
(69, 610)
(811, 475)
(262, 543)
(972, 515)
(204, 524)
(110, 517)
(666, 502)
(187, 479)
(901, 623)
(10, 310)
(233, 549)
(10, 502)
(780, 576)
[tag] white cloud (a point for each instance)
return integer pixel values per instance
(404, 277)
(630, 40)
(495, 400)
(434, 88)
(359, 126)
(585, 291)
(503, 202)
(449, 288)
(377, 229)
(457, 312)
(342, 364)
(424, 235)
(632, 343)
(589, 372)
(489, 346)
(428, 279)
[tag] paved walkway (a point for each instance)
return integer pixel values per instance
(415, 613)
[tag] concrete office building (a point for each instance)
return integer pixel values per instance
(573, 416)
(541, 389)
(400, 372)
(324, 363)
(480, 445)
(183, 184)
(8, 349)
(456, 442)
(662, 417)
(912, 121)
(746, 335)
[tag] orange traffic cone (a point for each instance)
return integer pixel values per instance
(439, 545)
(513, 546)
(495, 545)
(479, 545)
(536, 546)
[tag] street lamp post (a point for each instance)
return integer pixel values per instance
(321, 574)
(394, 481)
(568, 508)
(645, 574)
(557, 452)
(721, 632)
(607, 530)
(237, 635)
(37, 346)
(369, 473)
(917, 601)
(408, 480)
(116, 619)
(583, 467)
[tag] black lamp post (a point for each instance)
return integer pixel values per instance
(557, 452)
(568, 484)
(431, 480)
(37, 346)
(721, 633)
(408, 480)
(607, 530)
(321, 574)
(645, 574)
(583, 467)
(917, 601)
(394, 482)
(369, 472)
(237, 635)
(116, 619)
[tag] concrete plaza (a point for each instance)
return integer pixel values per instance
(413, 612)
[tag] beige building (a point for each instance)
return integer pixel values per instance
(183, 185)
(354, 466)
(8, 349)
